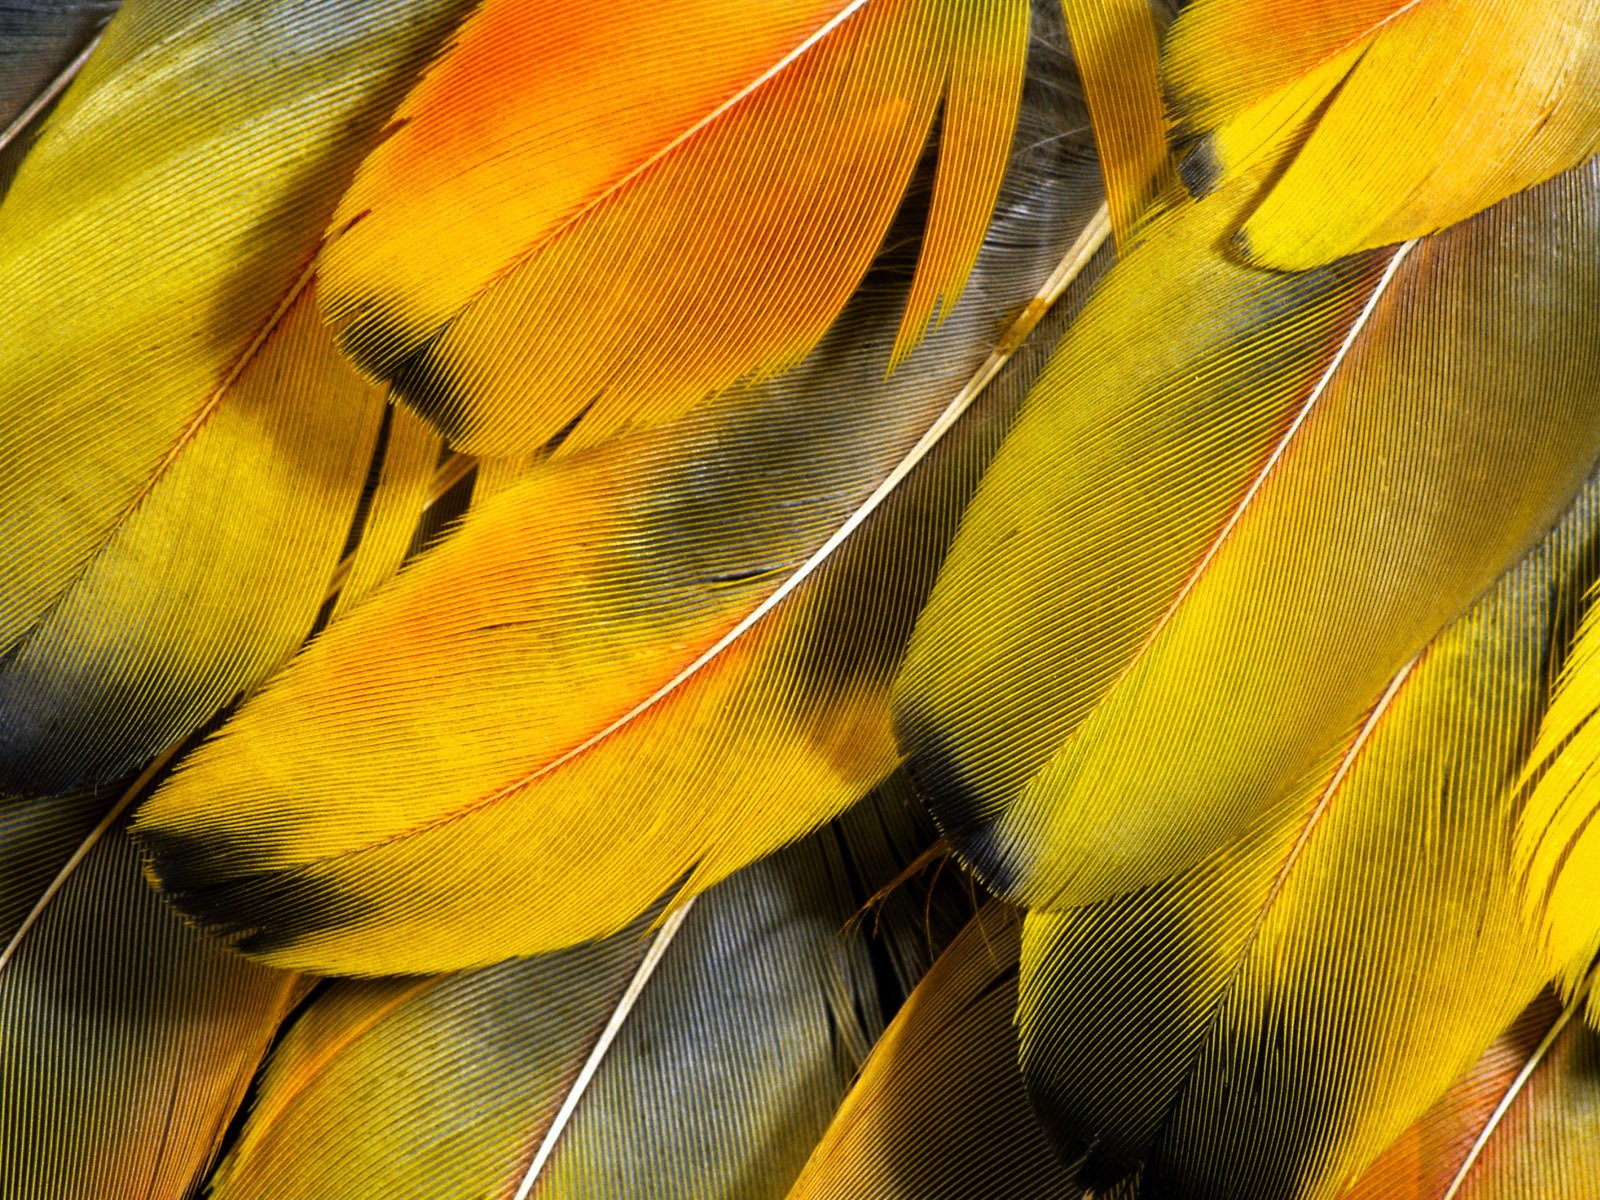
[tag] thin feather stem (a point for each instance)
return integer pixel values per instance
(53, 89)
(1278, 451)
(1517, 1084)
(135, 790)
(1077, 257)
(619, 1016)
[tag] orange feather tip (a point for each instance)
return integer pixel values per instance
(499, 273)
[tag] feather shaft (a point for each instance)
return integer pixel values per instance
(670, 926)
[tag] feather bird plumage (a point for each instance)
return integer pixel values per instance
(1283, 501)
(625, 607)
(1521, 1123)
(182, 450)
(1558, 831)
(126, 1039)
(1382, 120)
(1137, 1013)
(666, 425)
(541, 184)
(582, 1081)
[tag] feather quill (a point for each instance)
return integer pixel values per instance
(1522, 1124)
(43, 45)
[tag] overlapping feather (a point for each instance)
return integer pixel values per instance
(622, 672)
(1266, 1023)
(40, 42)
(182, 449)
(1522, 1124)
(1381, 120)
(1205, 548)
(939, 1111)
(537, 252)
(1558, 831)
(126, 1039)
(700, 1060)
(1195, 679)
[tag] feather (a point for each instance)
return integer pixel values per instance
(1114, 45)
(182, 449)
(1382, 119)
(1521, 1125)
(940, 1111)
(126, 1039)
(649, 662)
(1241, 637)
(37, 835)
(1558, 834)
(1265, 1024)
(366, 1092)
(1544, 1141)
(213, 579)
(410, 456)
(1424, 1162)
(704, 1068)
(1200, 555)
(530, 253)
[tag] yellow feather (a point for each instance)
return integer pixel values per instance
(1268, 1022)
(1204, 550)
(1558, 833)
(1406, 116)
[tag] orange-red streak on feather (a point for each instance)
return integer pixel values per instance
(547, 235)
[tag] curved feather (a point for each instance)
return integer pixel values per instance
(1546, 1142)
(126, 1039)
(214, 578)
(940, 1111)
(1558, 832)
(538, 250)
(1389, 119)
(1267, 1023)
(1520, 1125)
(182, 449)
(713, 1079)
(1425, 1162)
(37, 835)
(1200, 555)
(406, 489)
(639, 665)
(1114, 43)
